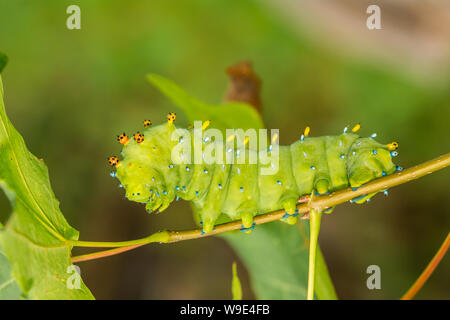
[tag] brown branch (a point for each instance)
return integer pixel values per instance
(244, 85)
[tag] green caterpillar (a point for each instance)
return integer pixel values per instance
(239, 190)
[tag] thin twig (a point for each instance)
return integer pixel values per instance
(428, 270)
(319, 203)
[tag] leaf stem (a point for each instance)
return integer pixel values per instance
(104, 254)
(314, 227)
(236, 288)
(428, 270)
(319, 203)
(162, 236)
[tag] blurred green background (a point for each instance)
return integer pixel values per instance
(70, 92)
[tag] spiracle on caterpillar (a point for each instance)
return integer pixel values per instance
(310, 165)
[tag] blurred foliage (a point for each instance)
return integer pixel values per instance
(3, 61)
(236, 288)
(222, 117)
(285, 274)
(70, 92)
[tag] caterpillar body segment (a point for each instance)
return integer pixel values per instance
(236, 188)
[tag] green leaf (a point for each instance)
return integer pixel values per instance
(36, 239)
(3, 61)
(284, 274)
(9, 288)
(236, 288)
(222, 117)
(276, 254)
(324, 287)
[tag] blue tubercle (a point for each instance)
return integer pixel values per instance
(358, 198)
(287, 215)
(248, 229)
(328, 210)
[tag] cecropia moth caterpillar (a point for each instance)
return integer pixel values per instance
(324, 164)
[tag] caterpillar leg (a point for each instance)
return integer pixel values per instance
(153, 205)
(247, 219)
(329, 210)
(289, 205)
(209, 218)
(165, 204)
(363, 198)
(246, 211)
(322, 186)
(208, 225)
(248, 230)
(158, 201)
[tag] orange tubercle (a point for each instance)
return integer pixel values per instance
(139, 137)
(123, 139)
(147, 123)
(392, 146)
(171, 117)
(113, 161)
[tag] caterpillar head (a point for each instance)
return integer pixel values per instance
(145, 167)
(369, 160)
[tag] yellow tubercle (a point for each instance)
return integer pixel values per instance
(147, 123)
(171, 117)
(307, 130)
(356, 128)
(275, 137)
(206, 124)
(392, 146)
(230, 138)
